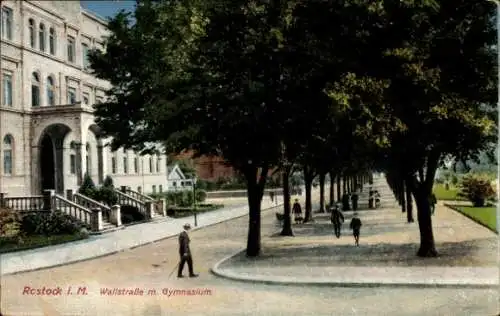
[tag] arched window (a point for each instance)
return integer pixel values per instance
(8, 145)
(32, 32)
(50, 91)
(41, 37)
(72, 158)
(158, 163)
(35, 89)
(151, 165)
(88, 162)
(52, 41)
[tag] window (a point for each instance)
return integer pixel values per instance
(139, 189)
(125, 165)
(136, 165)
(161, 188)
(154, 188)
(113, 164)
(71, 49)
(32, 32)
(85, 56)
(52, 41)
(158, 165)
(35, 89)
(7, 23)
(7, 89)
(86, 99)
(8, 144)
(50, 92)
(88, 164)
(174, 183)
(41, 37)
(72, 158)
(71, 95)
(151, 165)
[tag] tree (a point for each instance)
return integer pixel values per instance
(176, 80)
(88, 187)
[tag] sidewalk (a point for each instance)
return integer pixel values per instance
(468, 254)
(120, 240)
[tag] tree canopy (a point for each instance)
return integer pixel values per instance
(345, 85)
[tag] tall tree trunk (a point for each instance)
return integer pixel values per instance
(344, 185)
(332, 187)
(287, 221)
(338, 178)
(427, 244)
(322, 176)
(402, 195)
(308, 179)
(255, 191)
(409, 204)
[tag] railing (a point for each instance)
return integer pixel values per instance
(124, 199)
(78, 212)
(90, 204)
(138, 196)
(24, 203)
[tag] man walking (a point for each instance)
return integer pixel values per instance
(337, 219)
(185, 253)
(356, 227)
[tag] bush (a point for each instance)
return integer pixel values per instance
(454, 180)
(476, 189)
(201, 196)
(48, 223)
(88, 187)
(8, 218)
(107, 195)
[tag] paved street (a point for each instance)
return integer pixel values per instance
(149, 267)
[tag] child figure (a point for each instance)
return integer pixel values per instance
(356, 226)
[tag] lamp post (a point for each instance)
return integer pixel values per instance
(194, 202)
(497, 3)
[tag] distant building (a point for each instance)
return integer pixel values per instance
(209, 168)
(177, 181)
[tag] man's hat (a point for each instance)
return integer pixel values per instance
(187, 226)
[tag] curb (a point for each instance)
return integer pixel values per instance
(454, 208)
(129, 248)
(271, 280)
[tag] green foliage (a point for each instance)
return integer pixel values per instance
(48, 223)
(108, 182)
(476, 189)
(8, 220)
(88, 187)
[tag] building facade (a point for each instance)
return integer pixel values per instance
(49, 139)
(209, 168)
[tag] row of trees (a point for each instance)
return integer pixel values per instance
(328, 87)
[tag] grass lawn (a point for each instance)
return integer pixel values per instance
(12, 243)
(483, 215)
(188, 211)
(447, 195)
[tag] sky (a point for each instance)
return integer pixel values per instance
(108, 8)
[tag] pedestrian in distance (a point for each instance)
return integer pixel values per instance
(185, 253)
(356, 227)
(271, 196)
(354, 200)
(337, 218)
(297, 212)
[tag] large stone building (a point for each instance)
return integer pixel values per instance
(48, 136)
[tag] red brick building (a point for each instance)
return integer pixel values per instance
(209, 168)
